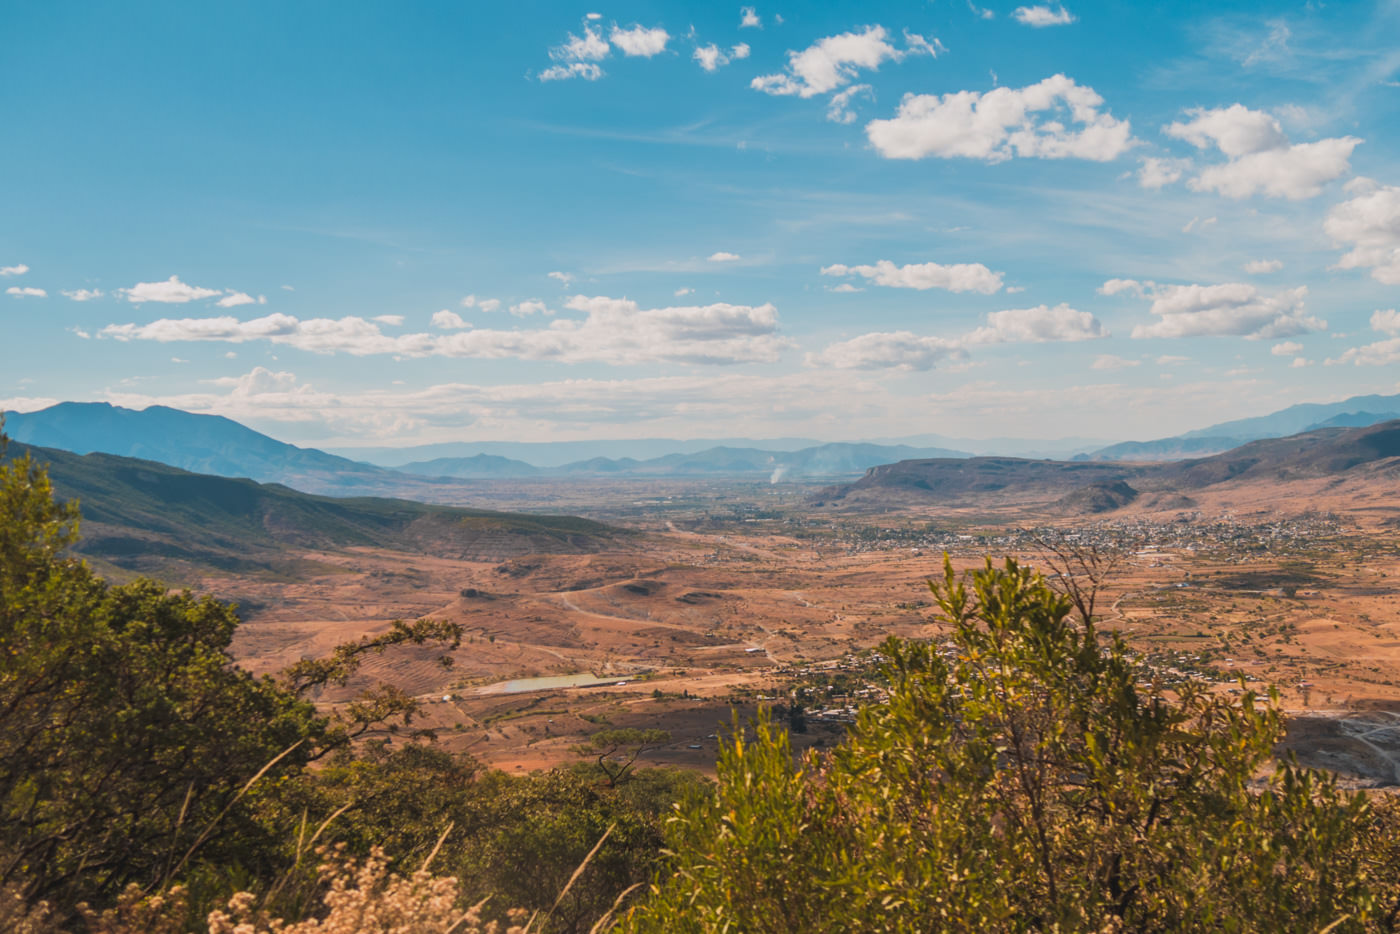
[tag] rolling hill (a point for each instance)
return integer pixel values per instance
(207, 444)
(139, 515)
(1095, 486)
(1356, 412)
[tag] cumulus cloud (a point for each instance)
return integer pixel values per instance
(532, 307)
(1286, 349)
(613, 331)
(83, 295)
(1231, 309)
(1131, 286)
(26, 292)
(897, 350)
(449, 321)
(585, 70)
(683, 290)
(958, 277)
(834, 62)
(1381, 353)
(1260, 267)
(711, 57)
(485, 304)
(749, 19)
(1107, 361)
(171, 291)
(1370, 223)
(1038, 325)
(639, 41)
(1387, 321)
(723, 257)
(18, 270)
(563, 278)
(1042, 16)
(590, 47)
(904, 350)
(838, 109)
(1037, 121)
(1156, 173)
(1261, 160)
(234, 299)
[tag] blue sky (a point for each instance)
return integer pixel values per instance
(403, 223)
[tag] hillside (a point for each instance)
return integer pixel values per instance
(1074, 487)
(140, 515)
(207, 444)
(1356, 412)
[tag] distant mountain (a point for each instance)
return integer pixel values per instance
(1098, 486)
(209, 444)
(145, 516)
(560, 453)
(1298, 418)
(481, 466)
(1358, 411)
(823, 460)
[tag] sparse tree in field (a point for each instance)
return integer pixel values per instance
(1033, 779)
(617, 751)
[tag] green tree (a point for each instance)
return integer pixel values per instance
(616, 751)
(1035, 778)
(132, 749)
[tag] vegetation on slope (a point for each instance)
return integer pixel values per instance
(1023, 777)
(137, 511)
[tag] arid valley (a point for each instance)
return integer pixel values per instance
(725, 597)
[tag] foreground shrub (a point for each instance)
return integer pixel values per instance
(1033, 779)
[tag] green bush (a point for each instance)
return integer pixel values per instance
(1034, 779)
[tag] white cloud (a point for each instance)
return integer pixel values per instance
(532, 307)
(1286, 349)
(1042, 16)
(723, 257)
(1037, 325)
(1387, 321)
(711, 57)
(899, 350)
(489, 305)
(613, 331)
(838, 109)
(640, 41)
(748, 18)
(846, 287)
(83, 295)
(171, 291)
(835, 61)
(26, 403)
(234, 299)
(1156, 173)
(18, 270)
(1261, 159)
(1003, 123)
(585, 70)
(1232, 309)
(1107, 361)
(1381, 353)
(1299, 362)
(449, 320)
(958, 277)
(683, 291)
(981, 12)
(563, 278)
(590, 47)
(593, 17)
(1260, 267)
(26, 292)
(1370, 224)
(1118, 286)
(1198, 224)
(391, 320)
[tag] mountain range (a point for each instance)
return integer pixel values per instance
(139, 515)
